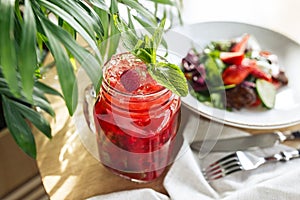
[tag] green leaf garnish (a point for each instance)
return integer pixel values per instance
(145, 48)
(170, 76)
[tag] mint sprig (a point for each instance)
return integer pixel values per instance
(170, 76)
(145, 48)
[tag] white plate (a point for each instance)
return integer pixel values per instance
(287, 108)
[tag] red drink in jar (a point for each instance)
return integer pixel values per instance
(136, 120)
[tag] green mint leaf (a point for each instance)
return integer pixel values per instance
(140, 44)
(169, 76)
(148, 43)
(143, 55)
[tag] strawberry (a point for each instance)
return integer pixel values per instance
(258, 73)
(130, 79)
(232, 57)
(241, 46)
(235, 74)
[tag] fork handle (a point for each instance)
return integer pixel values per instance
(284, 156)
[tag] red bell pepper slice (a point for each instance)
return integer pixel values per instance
(241, 46)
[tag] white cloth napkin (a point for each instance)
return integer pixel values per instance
(185, 180)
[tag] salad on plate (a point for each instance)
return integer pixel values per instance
(234, 74)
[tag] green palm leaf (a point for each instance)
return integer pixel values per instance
(43, 104)
(46, 89)
(85, 58)
(98, 26)
(64, 67)
(100, 4)
(18, 127)
(34, 117)
(27, 55)
(105, 21)
(84, 29)
(8, 58)
(167, 2)
(132, 4)
(114, 31)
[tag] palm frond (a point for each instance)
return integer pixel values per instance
(64, 66)
(27, 56)
(8, 57)
(20, 131)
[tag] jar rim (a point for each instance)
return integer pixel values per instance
(161, 91)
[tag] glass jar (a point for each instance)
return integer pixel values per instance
(135, 127)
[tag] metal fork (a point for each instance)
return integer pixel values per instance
(243, 161)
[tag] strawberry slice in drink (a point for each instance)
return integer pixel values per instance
(130, 79)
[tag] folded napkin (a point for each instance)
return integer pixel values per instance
(184, 179)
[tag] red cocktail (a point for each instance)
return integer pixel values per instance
(136, 120)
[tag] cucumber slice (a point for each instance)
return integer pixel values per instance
(267, 92)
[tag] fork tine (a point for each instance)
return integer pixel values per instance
(233, 169)
(221, 173)
(223, 161)
(224, 164)
(222, 167)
